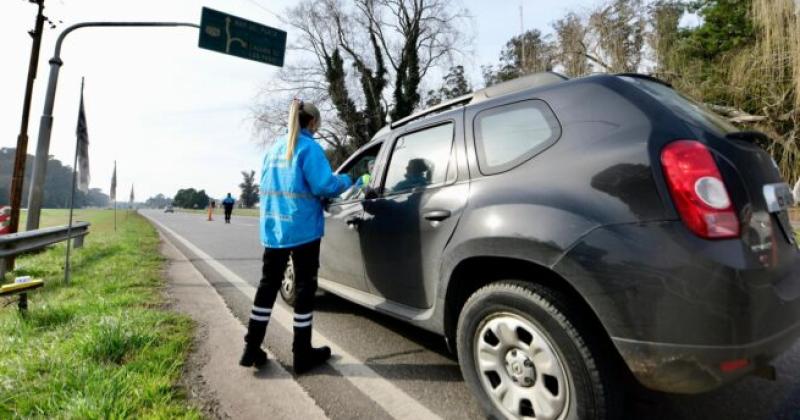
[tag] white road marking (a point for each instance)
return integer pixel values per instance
(390, 398)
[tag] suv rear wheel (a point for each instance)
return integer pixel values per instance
(525, 353)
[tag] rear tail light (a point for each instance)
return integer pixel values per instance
(698, 190)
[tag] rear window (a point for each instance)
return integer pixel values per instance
(508, 135)
(682, 104)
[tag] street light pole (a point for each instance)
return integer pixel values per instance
(21, 152)
(46, 123)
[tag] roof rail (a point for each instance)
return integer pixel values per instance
(518, 84)
(436, 108)
(511, 86)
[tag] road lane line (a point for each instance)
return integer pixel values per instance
(390, 398)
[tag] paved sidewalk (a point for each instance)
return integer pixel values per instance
(236, 392)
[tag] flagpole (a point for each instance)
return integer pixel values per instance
(115, 196)
(72, 201)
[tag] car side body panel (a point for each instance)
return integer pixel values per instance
(598, 173)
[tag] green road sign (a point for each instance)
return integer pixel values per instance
(240, 37)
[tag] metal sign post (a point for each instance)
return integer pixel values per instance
(46, 123)
(220, 32)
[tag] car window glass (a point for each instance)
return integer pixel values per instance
(508, 134)
(360, 171)
(420, 159)
(684, 105)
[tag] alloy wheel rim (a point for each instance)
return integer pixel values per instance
(520, 370)
(287, 284)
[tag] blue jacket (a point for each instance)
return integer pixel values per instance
(291, 192)
(228, 201)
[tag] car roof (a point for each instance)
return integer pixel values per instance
(520, 84)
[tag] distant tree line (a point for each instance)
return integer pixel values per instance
(158, 202)
(57, 185)
(190, 198)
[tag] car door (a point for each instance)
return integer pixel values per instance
(407, 226)
(341, 258)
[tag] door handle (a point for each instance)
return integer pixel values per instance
(353, 220)
(436, 215)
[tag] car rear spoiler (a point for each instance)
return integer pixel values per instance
(748, 136)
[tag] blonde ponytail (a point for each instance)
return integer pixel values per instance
(294, 128)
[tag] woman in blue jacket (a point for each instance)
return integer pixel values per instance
(295, 177)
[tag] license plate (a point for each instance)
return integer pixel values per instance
(779, 198)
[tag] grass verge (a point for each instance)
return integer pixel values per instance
(103, 347)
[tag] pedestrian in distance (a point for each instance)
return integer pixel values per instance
(211, 206)
(295, 178)
(228, 203)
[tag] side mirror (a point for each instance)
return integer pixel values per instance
(370, 193)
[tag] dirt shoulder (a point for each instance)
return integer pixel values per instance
(214, 380)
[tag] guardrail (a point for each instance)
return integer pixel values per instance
(22, 242)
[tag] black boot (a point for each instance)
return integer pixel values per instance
(307, 357)
(253, 356)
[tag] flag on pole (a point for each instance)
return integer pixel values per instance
(132, 195)
(83, 148)
(113, 194)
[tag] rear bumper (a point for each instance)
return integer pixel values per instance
(677, 307)
(690, 369)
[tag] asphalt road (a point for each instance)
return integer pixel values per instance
(387, 368)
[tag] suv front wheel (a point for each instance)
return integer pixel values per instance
(287, 285)
(525, 353)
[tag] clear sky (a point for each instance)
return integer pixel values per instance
(173, 115)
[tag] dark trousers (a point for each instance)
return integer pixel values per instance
(305, 259)
(228, 211)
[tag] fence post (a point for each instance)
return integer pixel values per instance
(5, 229)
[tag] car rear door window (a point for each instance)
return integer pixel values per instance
(420, 159)
(508, 135)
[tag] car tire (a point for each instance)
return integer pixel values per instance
(523, 347)
(288, 291)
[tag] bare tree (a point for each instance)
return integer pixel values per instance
(349, 50)
(571, 45)
(665, 15)
(618, 30)
(523, 54)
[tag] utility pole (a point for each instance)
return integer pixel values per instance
(522, 37)
(22, 140)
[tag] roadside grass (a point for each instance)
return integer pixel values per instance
(60, 217)
(105, 346)
(218, 212)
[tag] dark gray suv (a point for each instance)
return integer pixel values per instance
(565, 234)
